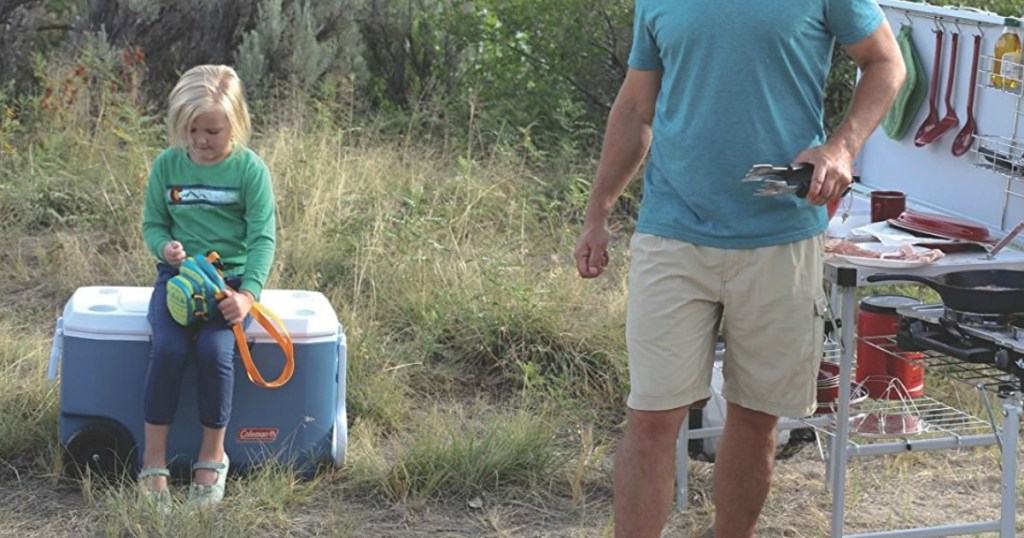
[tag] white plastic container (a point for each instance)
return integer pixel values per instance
(713, 415)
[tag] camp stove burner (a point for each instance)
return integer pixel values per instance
(983, 321)
(990, 339)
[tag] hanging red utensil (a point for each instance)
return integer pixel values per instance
(933, 94)
(965, 138)
(950, 120)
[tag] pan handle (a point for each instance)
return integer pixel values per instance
(881, 277)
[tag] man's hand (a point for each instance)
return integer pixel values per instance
(833, 172)
(592, 251)
(174, 253)
(235, 305)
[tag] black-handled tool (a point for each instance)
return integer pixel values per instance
(788, 179)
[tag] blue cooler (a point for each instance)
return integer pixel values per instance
(101, 347)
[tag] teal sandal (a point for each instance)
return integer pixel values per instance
(208, 495)
(161, 499)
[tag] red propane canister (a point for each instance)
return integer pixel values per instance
(910, 373)
(876, 316)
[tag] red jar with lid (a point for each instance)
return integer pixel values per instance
(876, 316)
(907, 368)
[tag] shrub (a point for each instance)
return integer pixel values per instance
(281, 43)
(298, 45)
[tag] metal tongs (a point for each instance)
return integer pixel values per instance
(788, 179)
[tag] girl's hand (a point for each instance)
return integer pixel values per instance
(235, 305)
(174, 253)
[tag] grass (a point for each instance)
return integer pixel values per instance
(467, 376)
(486, 380)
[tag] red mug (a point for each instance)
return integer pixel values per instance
(887, 205)
(832, 207)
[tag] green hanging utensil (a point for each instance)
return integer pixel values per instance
(912, 94)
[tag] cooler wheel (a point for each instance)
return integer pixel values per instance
(105, 449)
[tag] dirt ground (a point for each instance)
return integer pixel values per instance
(883, 493)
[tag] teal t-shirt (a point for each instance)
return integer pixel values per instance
(742, 84)
(227, 207)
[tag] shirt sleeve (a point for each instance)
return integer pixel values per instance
(644, 54)
(261, 223)
(853, 20)
(156, 217)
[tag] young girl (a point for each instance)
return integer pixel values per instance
(205, 192)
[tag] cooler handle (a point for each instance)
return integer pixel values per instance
(341, 351)
(56, 349)
(340, 439)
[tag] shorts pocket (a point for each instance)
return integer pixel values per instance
(818, 331)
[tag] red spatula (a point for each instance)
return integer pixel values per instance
(933, 95)
(965, 138)
(950, 120)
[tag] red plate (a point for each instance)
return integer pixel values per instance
(829, 405)
(942, 226)
(887, 425)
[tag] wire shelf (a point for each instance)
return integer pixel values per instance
(988, 77)
(915, 420)
(1002, 155)
(983, 377)
(931, 418)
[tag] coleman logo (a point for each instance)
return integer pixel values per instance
(257, 435)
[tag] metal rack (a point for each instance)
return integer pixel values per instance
(1003, 154)
(943, 426)
(982, 377)
(953, 428)
(940, 421)
(948, 427)
(986, 69)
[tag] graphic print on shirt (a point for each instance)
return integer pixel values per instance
(202, 196)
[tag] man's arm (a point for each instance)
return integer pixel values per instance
(626, 141)
(882, 74)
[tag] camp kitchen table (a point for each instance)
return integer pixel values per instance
(846, 278)
(973, 187)
(971, 431)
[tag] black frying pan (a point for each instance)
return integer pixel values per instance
(983, 291)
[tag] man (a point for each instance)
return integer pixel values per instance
(714, 87)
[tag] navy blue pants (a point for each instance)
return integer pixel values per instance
(211, 344)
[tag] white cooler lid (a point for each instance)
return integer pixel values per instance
(119, 313)
(307, 315)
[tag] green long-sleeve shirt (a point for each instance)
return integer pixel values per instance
(227, 207)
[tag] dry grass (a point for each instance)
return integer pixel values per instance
(486, 381)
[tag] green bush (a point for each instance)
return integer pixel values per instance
(531, 75)
(297, 46)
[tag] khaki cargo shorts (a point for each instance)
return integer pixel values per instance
(769, 302)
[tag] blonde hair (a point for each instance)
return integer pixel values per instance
(202, 89)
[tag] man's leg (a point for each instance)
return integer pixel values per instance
(743, 471)
(773, 325)
(645, 472)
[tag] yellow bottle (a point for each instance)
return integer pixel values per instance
(1006, 63)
